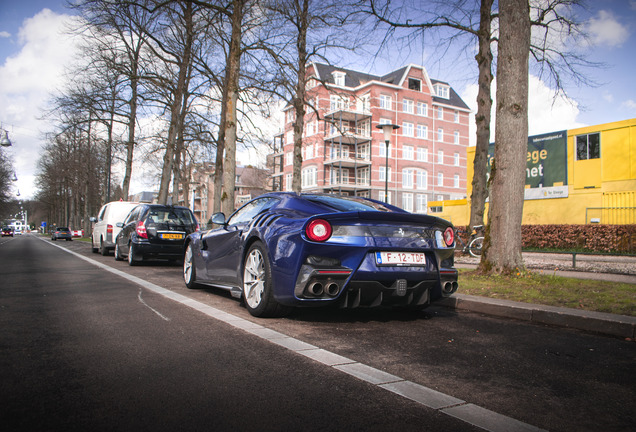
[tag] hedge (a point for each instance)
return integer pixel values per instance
(585, 238)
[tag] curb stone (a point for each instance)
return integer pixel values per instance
(596, 322)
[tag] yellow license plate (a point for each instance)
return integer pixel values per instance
(172, 236)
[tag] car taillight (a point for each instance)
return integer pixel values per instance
(449, 236)
(141, 230)
(109, 229)
(318, 230)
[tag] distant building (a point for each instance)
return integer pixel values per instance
(250, 182)
(344, 152)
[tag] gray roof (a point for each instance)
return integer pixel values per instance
(355, 79)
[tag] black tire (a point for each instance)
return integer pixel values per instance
(102, 249)
(474, 247)
(93, 248)
(118, 256)
(189, 269)
(131, 256)
(257, 284)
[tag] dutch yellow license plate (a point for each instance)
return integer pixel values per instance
(172, 236)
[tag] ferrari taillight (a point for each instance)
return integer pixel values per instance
(318, 230)
(141, 230)
(449, 236)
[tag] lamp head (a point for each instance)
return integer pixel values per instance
(387, 129)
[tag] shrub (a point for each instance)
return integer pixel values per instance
(585, 238)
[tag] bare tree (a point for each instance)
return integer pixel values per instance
(503, 236)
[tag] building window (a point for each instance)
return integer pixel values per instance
(383, 150)
(421, 179)
(421, 203)
(588, 146)
(440, 113)
(456, 116)
(288, 158)
(456, 159)
(407, 201)
(336, 103)
(441, 91)
(382, 171)
(440, 157)
(422, 109)
(407, 129)
(288, 182)
(422, 131)
(422, 154)
(309, 151)
(339, 78)
(440, 179)
(415, 84)
(407, 152)
(440, 135)
(383, 198)
(385, 102)
(407, 106)
(362, 178)
(407, 178)
(365, 103)
(309, 177)
(456, 181)
(456, 137)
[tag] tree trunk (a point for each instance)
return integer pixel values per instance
(232, 83)
(180, 99)
(503, 237)
(130, 145)
(482, 118)
(299, 98)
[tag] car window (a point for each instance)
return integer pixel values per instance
(346, 204)
(101, 213)
(251, 209)
(171, 218)
(132, 216)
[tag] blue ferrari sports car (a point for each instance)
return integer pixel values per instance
(284, 249)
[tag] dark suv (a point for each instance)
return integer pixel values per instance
(154, 231)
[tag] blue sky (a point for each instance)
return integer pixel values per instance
(34, 51)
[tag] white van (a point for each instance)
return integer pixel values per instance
(105, 230)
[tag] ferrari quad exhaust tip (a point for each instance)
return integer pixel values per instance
(449, 288)
(316, 289)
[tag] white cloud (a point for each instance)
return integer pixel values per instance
(629, 105)
(545, 112)
(605, 30)
(5, 34)
(26, 82)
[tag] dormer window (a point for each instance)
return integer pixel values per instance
(339, 78)
(442, 90)
(415, 84)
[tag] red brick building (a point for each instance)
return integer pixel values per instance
(344, 152)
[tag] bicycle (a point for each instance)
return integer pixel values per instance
(475, 241)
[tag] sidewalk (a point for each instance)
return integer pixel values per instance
(615, 269)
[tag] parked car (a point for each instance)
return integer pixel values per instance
(154, 231)
(7, 231)
(60, 233)
(105, 230)
(282, 250)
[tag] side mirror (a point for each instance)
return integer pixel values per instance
(218, 218)
(119, 224)
(93, 219)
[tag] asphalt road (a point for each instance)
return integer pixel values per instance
(84, 349)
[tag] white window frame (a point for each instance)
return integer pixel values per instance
(422, 131)
(407, 178)
(421, 203)
(385, 102)
(407, 129)
(440, 179)
(408, 106)
(421, 179)
(422, 109)
(456, 181)
(440, 134)
(440, 157)
(422, 154)
(407, 152)
(407, 201)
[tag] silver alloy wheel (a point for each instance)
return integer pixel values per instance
(131, 259)
(254, 278)
(188, 266)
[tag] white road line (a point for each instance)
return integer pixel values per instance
(446, 404)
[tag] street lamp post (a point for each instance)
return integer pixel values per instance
(387, 129)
